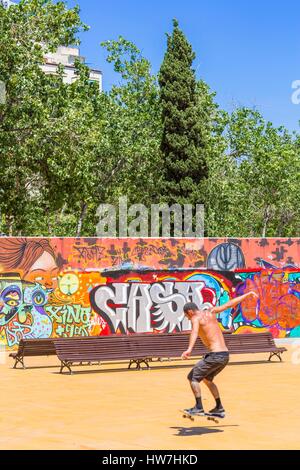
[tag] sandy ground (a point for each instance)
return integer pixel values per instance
(112, 408)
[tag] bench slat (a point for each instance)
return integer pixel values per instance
(138, 347)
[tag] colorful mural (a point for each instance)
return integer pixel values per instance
(81, 287)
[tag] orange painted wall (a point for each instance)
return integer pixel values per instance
(72, 287)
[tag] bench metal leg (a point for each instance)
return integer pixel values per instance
(67, 365)
(277, 354)
(138, 363)
(146, 362)
(131, 364)
(19, 360)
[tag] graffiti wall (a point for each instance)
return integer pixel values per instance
(81, 287)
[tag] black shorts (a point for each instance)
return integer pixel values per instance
(210, 366)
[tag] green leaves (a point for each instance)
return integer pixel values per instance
(183, 143)
(256, 182)
(64, 149)
(35, 110)
(133, 127)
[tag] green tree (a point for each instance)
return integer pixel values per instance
(34, 103)
(70, 159)
(66, 148)
(133, 124)
(183, 143)
(253, 187)
(268, 164)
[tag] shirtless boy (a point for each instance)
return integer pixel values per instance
(206, 326)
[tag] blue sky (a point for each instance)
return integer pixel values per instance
(248, 51)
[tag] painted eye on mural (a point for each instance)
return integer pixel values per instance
(12, 303)
(11, 296)
(38, 298)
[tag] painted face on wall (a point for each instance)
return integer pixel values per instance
(22, 313)
(10, 301)
(35, 299)
(44, 271)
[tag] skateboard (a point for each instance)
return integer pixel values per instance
(208, 416)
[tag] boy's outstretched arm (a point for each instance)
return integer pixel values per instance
(233, 303)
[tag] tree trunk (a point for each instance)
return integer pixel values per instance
(81, 218)
(10, 225)
(59, 215)
(50, 229)
(267, 217)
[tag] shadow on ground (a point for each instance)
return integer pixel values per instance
(199, 431)
(154, 368)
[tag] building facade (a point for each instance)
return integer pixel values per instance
(6, 3)
(65, 56)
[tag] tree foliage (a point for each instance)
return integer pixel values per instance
(183, 140)
(64, 149)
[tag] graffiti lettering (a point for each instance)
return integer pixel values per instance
(70, 320)
(89, 253)
(140, 308)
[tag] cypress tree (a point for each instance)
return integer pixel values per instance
(182, 146)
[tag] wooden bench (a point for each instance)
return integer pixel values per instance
(143, 349)
(137, 349)
(35, 348)
(253, 344)
(31, 348)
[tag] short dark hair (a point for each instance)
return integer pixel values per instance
(190, 306)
